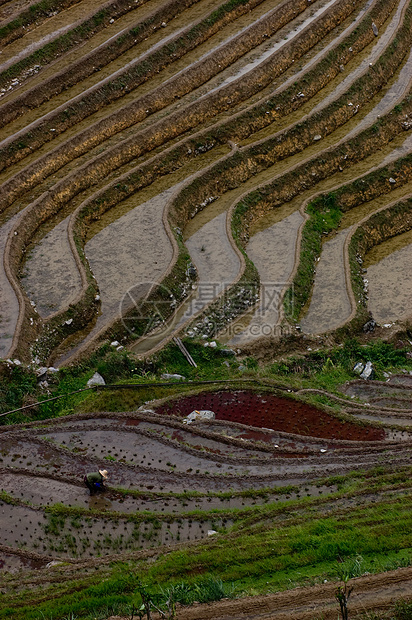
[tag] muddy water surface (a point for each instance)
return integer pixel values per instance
(9, 305)
(330, 305)
(216, 261)
(132, 250)
(273, 254)
(264, 51)
(390, 283)
(52, 279)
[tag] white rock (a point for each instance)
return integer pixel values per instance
(211, 532)
(358, 368)
(69, 321)
(317, 137)
(41, 371)
(197, 416)
(17, 362)
(367, 371)
(392, 180)
(120, 348)
(169, 377)
(115, 343)
(213, 344)
(97, 379)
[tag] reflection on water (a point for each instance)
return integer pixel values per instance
(99, 502)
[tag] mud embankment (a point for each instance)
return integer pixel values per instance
(42, 57)
(127, 80)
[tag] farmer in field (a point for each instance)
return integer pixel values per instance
(95, 480)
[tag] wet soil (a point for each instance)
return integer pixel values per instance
(269, 411)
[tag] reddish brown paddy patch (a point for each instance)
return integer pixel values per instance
(265, 410)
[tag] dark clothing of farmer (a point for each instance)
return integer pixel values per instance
(95, 480)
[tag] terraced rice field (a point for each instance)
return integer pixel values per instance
(170, 482)
(237, 171)
(178, 145)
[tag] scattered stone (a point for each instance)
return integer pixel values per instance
(97, 379)
(358, 368)
(143, 409)
(68, 322)
(392, 180)
(115, 343)
(120, 348)
(211, 532)
(317, 137)
(172, 377)
(212, 344)
(375, 29)
(227, 352)
(17, 362)
(53, 370)
(368, 371)
(198, 416)
(40, 372)
(54, 563)
(369, 326)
